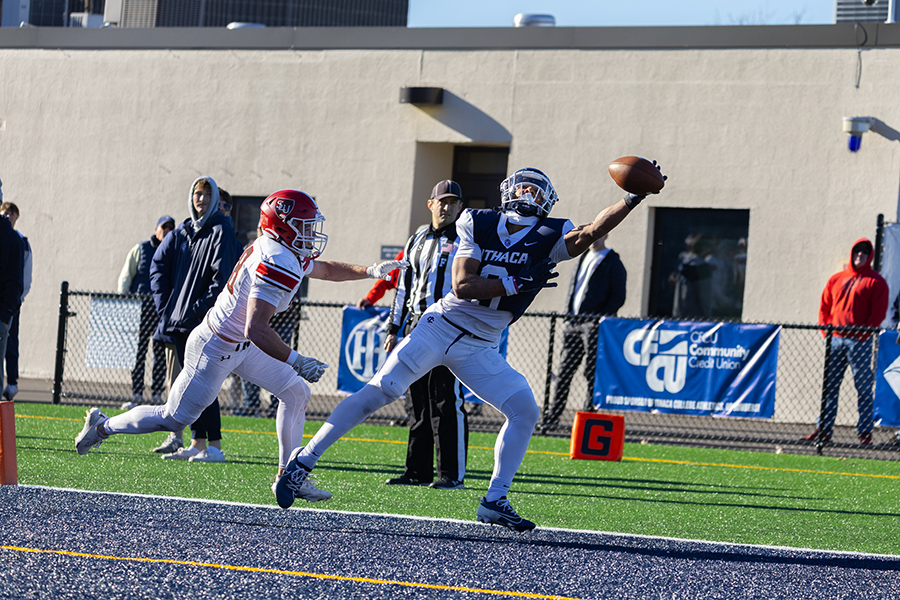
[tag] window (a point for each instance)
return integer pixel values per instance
(698, 263)
(479, 172)
(245, 215)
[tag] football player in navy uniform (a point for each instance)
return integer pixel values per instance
(235, 336)
(504, 259)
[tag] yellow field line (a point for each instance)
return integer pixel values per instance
(652, 460)
(681, 462)
(190, 563)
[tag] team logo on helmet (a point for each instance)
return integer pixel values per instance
(283, 206)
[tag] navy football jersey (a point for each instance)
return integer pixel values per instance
(502, 257)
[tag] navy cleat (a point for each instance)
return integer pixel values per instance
(89, 436)
(295, 483)
(502, 513)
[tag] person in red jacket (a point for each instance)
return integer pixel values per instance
(856, 296)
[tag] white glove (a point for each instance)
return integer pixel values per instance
(383, 270)
(309, 368)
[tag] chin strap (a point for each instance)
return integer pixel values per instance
(517, 219)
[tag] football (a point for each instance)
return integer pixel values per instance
(636, 175)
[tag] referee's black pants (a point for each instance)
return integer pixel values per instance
(438, 425)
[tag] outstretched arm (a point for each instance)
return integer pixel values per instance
(332, 270)
(579, 239)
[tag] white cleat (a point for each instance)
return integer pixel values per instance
(210, 455)
(89, 436)
(182, 454)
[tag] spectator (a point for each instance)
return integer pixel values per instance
(856, 296)
(597, 288)
(692, 280)
(504, 259)
(236, 336)
(188, 271)
(11, 212)
(438, 421)
(135, 279)
(12, 259)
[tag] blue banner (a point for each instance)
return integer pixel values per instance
(887, 380)
(719, 369)
(362, 348)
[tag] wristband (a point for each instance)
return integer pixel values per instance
(509, 284)
(632, 200)
(292, 357)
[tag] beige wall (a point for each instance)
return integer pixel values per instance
(95, 144)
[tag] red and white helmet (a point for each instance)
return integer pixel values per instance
(293, 218)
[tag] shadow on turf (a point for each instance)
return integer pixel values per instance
(718, 504)
(655, 485)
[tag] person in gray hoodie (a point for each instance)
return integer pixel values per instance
(189, 269)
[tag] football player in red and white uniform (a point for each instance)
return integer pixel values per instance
(235, 337)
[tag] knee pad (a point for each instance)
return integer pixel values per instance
(389, 389)
(521, 406)
(295, 395)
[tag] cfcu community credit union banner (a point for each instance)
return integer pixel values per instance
(688, 368)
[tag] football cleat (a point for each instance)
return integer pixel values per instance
(294, 483)
(445, 483)
(89, 436)
(183, 454)
(406, 480)
(311, 493)
(170, 445)
(502, 513)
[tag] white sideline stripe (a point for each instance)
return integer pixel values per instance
(472, 523)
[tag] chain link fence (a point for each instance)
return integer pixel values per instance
(96, 357)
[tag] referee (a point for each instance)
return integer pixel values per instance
(438, 421)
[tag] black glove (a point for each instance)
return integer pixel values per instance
(632, 200)
(535, 277)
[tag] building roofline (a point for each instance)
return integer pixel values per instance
(840, 35)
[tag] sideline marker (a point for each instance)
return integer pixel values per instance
(8, 471)
(597, 437)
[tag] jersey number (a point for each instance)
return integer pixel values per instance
(493, 272)
(237, 268)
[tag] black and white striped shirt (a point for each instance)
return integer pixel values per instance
(429, 277)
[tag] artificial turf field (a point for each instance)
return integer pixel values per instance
(671, 491)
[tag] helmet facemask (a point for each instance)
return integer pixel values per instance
(529, 193)
(309, 239)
